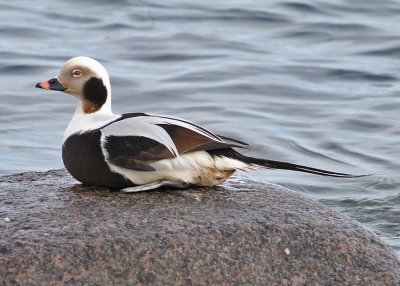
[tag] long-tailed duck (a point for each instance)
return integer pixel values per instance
(139, 151)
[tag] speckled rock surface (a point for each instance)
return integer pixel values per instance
(55, 231)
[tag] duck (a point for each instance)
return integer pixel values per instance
(140, 151)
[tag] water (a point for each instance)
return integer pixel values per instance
(311, 82)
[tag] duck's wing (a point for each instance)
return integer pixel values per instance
(134, 141)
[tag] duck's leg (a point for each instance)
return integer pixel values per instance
(154, 185)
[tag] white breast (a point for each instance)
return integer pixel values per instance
(84, 122)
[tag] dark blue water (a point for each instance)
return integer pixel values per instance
(311, 82)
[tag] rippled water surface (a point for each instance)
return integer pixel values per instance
(311, 82)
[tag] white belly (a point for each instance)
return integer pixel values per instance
(197, 168)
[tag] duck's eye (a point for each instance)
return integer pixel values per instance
(76, 73)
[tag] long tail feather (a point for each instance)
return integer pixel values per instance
(300, 168)
(256, 162)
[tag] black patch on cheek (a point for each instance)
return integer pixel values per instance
(95, 91)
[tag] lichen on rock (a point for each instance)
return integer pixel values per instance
(243, 232)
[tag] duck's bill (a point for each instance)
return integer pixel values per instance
(51, 84)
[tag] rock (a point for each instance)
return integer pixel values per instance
(244, 232)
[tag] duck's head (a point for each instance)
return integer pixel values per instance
(87, 80)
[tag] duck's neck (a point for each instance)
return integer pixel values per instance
(96, 96)
(84, 107)
(83, 121)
